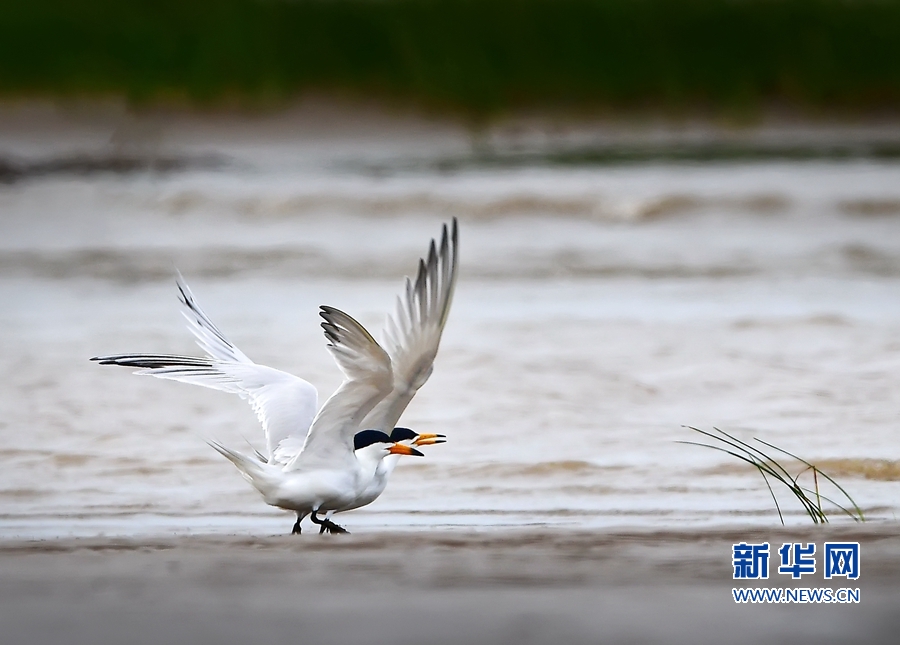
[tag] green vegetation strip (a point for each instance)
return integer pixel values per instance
(480, 56)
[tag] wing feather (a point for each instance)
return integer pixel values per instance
(413, 333)
(284, 404)
(368, 378)
(209, 338)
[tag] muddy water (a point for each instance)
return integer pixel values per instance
(600, 308)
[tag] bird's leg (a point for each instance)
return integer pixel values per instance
(296, 529)
(327, 525)
(315, 519)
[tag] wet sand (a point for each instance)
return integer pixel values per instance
(527, 586)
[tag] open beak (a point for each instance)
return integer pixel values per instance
(429, 439)
(400, 449)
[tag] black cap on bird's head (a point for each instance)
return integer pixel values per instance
(366, 438)
(405, 434)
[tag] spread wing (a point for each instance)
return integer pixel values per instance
(209, 338)
(413, 334)
(368, 378)
(285, 404)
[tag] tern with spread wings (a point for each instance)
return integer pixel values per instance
(323, 462)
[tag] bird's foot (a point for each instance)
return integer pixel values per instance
(296, 529)
(331, 527)
(326, 525)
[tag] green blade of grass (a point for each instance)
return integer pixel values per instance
(767, 466)
(784, 477)
(838, 486)
(763, 468)
(840, 507)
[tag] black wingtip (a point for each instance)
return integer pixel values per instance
(332, 317)
(184, 291)
(105, 360)
(326, 313)
(331, 332)
(422, 274)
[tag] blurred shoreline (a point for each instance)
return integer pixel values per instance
(35, 132)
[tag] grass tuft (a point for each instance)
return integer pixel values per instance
(810, 499)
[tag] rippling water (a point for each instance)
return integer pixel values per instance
(600, 308)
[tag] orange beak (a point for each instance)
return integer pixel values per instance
(400, 449)
(429, 439)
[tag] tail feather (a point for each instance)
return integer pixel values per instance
(258, 473)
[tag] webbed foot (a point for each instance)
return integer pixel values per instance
(331, 527)
(327, 525)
